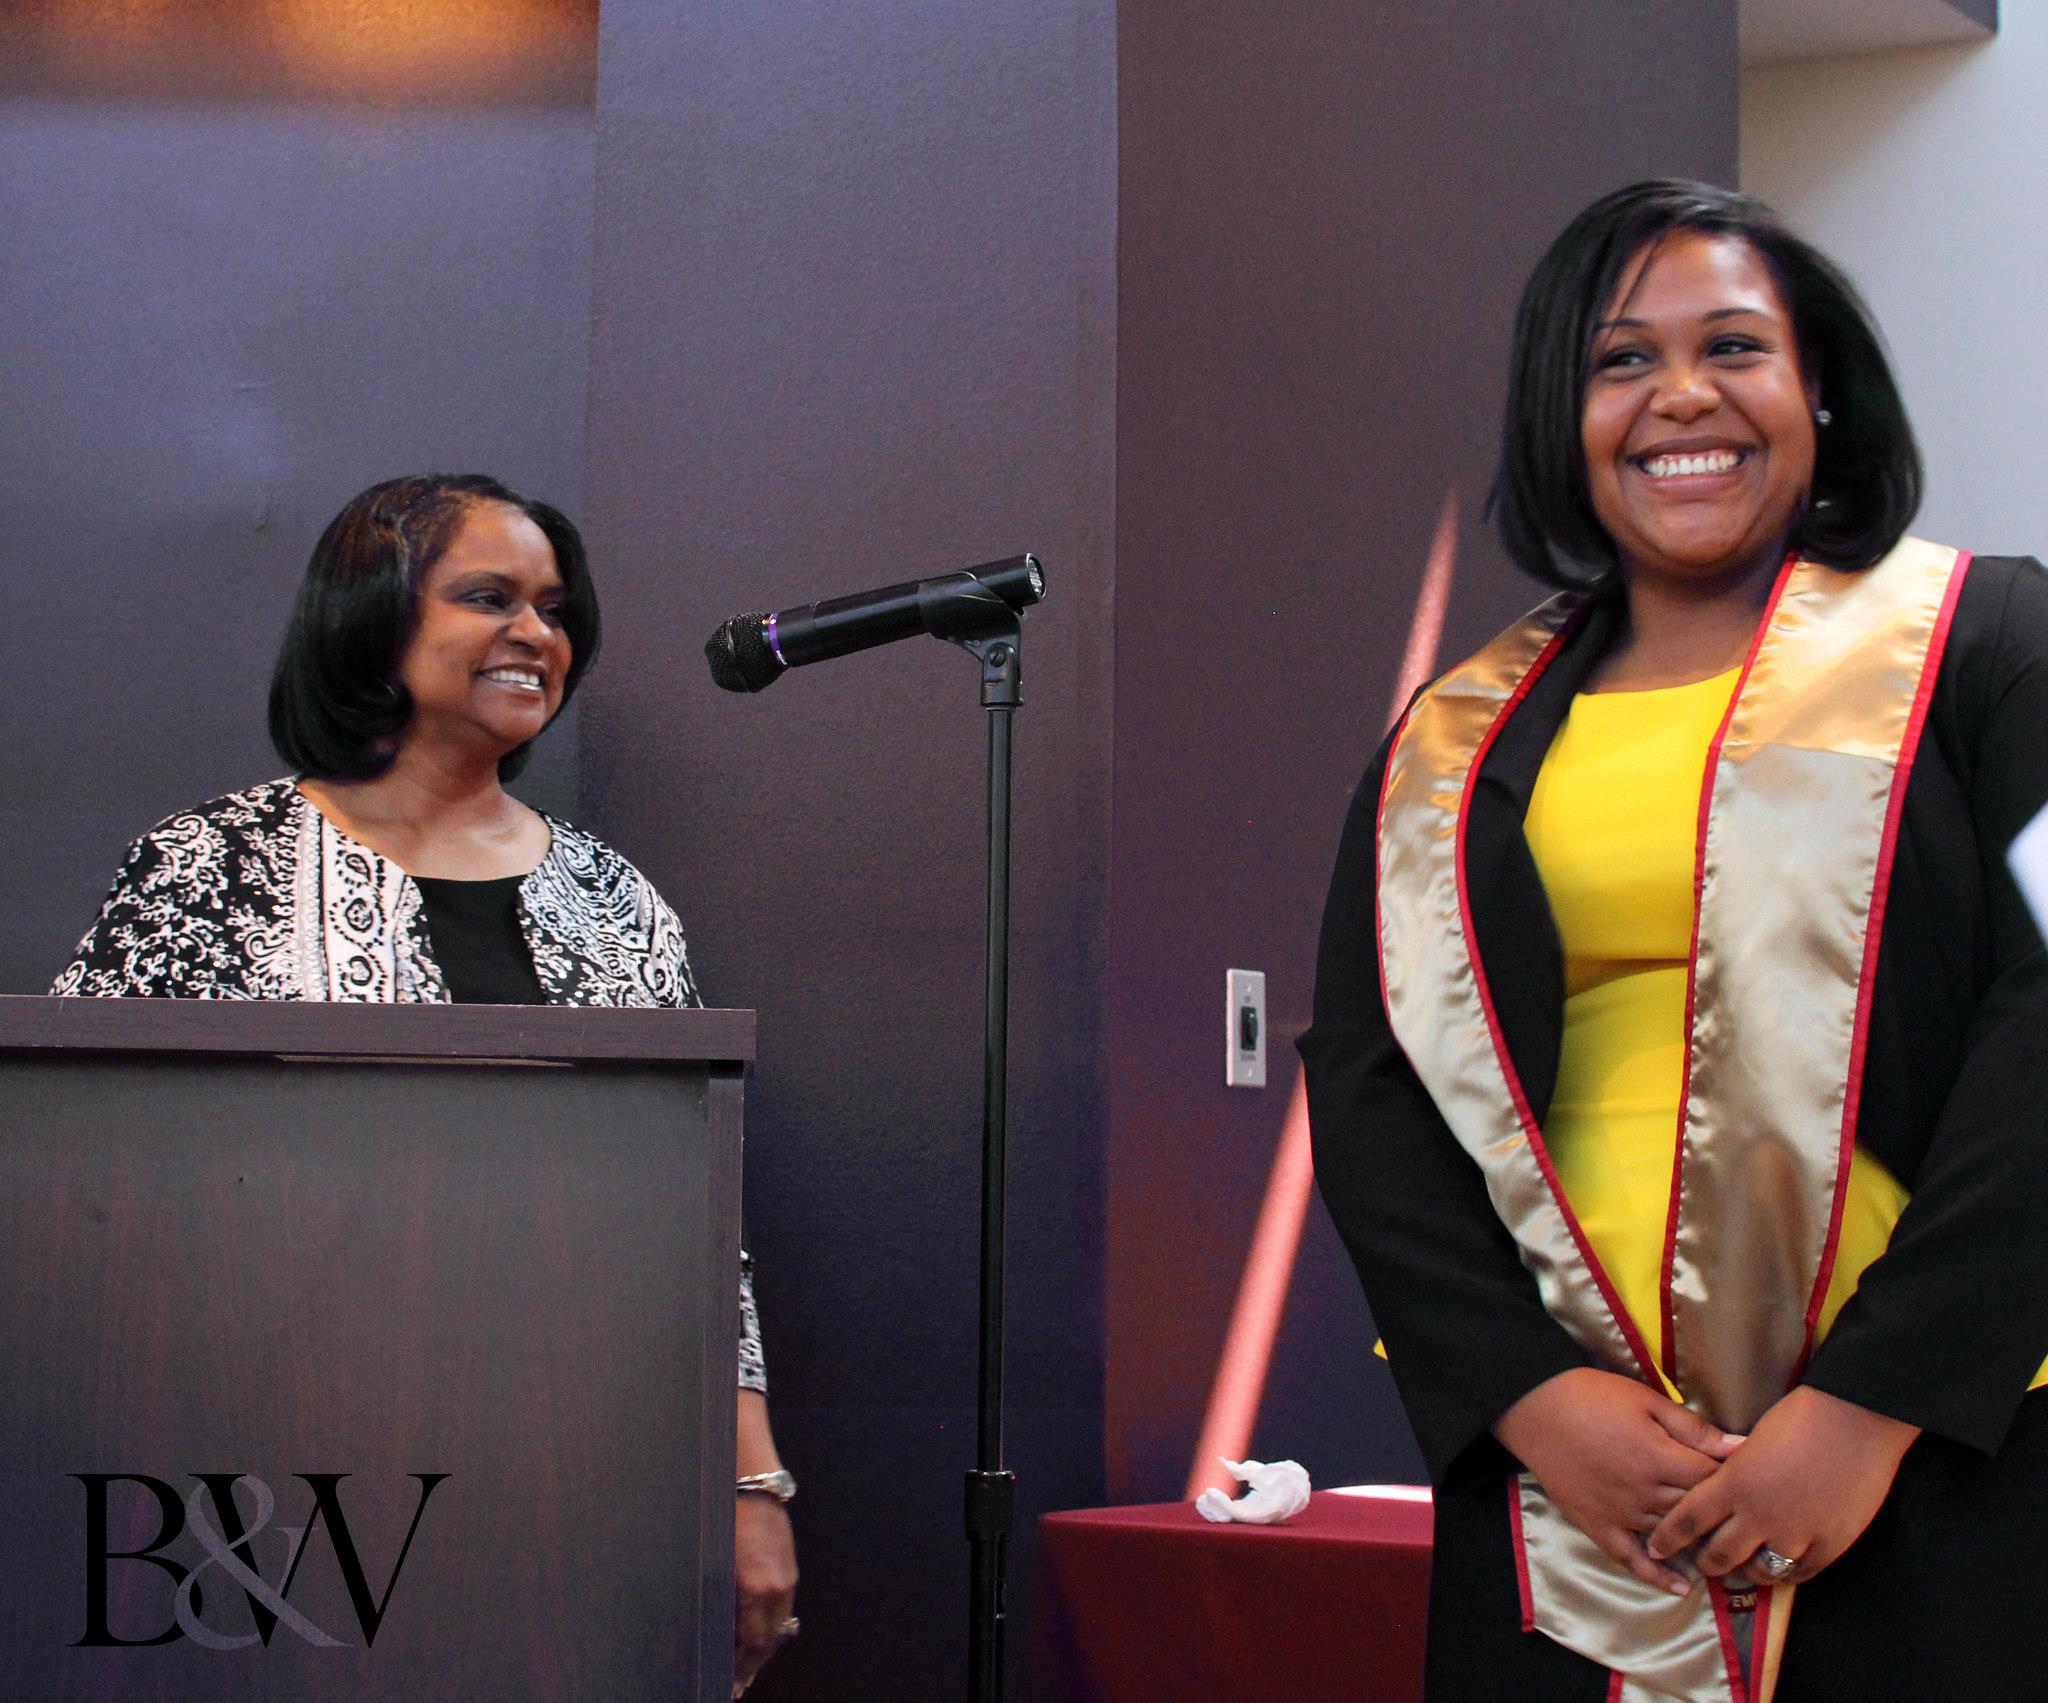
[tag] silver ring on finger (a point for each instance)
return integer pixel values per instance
(1775, 1567)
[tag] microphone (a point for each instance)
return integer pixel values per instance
(750, 653)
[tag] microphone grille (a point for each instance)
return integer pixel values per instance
(740, 658)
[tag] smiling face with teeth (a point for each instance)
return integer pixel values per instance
(1697, 421)
(488, 656)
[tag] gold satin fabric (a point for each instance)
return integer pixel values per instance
(1808, 763)
(1810, 760)
(1613, 824)
(1433, 979)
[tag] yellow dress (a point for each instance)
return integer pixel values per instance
(1613, 823)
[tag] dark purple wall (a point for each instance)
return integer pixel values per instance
(225, 306)
(1324, 220)
(853, 296)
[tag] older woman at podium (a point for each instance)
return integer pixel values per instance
(442, 624)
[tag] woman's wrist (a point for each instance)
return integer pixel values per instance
(1512, 1429)
(1878, 1432)
(754, 1450)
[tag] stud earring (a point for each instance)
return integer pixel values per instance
(1822, 417)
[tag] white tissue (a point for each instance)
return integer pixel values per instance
(2029, 859)
(1278, 1491)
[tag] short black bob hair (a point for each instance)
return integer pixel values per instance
(1866, 476)
(336, 703)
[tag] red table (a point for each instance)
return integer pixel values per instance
(1158, 1605)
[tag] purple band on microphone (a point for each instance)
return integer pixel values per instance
(772, 645)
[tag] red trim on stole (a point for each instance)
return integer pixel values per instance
(1852, 1098)
(1760, 1638)
(1738, 1687)
(1627, 1326)
(1692, 964)
(1528, 1591)
(1615, 1681)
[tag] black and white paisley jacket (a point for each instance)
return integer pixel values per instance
(258, 896)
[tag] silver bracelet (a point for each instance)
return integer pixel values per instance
(777, 1484)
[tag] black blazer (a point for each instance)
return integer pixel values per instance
(1950, 1324)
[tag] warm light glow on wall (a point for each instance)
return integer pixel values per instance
(361, 41)
(127, 24)
(381, 51)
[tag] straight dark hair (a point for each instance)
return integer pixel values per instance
(1866, 475)
(337, 705)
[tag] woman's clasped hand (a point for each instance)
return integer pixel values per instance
(1810, 1478)
(1618, 1458)
(1648, 1479)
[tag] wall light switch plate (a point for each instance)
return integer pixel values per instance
(1244, 1039)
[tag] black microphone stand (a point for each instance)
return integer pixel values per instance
(982, 624)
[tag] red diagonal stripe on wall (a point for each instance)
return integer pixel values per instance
(1241, 1368)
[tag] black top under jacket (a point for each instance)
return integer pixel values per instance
(1951, 1323)
(478, 940)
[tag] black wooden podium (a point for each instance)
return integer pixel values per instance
(291, 1291)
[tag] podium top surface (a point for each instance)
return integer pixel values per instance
(568, 1034)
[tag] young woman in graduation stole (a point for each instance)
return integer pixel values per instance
(1680, 1045)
